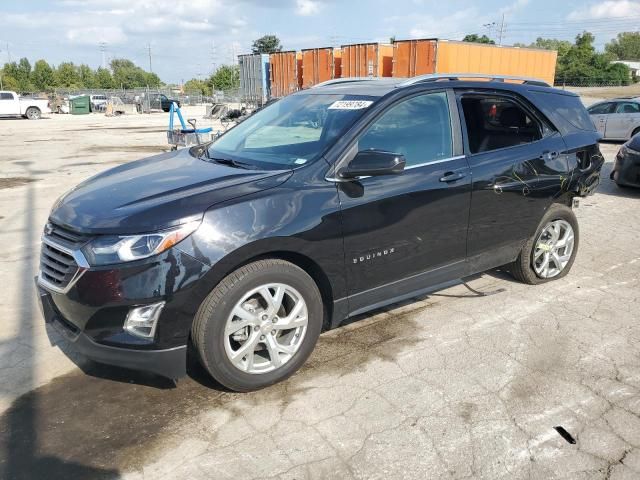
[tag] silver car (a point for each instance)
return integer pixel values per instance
(617, 119)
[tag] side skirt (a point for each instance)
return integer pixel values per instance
(394, 292)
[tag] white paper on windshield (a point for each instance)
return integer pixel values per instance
(350, 104)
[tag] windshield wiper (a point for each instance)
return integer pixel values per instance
(230, 162)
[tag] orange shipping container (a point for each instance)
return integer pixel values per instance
(317, 66)
(414, 57)
(464, 57)
(419, 57)
(283, 72)
(367, 60)
(337, 62)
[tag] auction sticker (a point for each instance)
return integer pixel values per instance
(350, 104)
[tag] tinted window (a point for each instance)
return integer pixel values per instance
(496, 122)
(418, 128)
(602, 109)
(291, 132)
(628, 107)
(565, 110)
(6, 96)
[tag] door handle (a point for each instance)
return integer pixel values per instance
(452, 176)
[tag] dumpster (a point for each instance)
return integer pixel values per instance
(79, 105)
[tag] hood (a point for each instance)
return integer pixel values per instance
(634, 143)
(156, 193)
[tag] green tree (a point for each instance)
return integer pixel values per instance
(561, 46)
(10, 74)
(127, 74)
(43, 77)
(475, 38)
(24, 75)
(266, 44)
(9, 82)
(582, 65)
(87, 76)
(103, 78)
(625, 47)
(227, 77)
(152, 80)
(195, 85)
(67, 75)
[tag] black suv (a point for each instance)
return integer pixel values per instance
(332, 202)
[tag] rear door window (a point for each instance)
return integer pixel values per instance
(6, 96)
(418, 128)
(602, 109)
(495, 122)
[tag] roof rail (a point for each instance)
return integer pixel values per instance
(434, 77)
(336, 81)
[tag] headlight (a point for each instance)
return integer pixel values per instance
(112, 249)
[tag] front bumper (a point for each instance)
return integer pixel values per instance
(626, 170)
(92, 310)
(170, 362)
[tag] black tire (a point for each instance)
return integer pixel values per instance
(635, 132)
(522, 268)
(209, 323)
(33, 113)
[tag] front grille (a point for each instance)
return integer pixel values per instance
(66, 238)
(58, 266)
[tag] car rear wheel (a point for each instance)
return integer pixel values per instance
(259, 325)
(549, 254)
(32, 113)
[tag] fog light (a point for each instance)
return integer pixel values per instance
(142, 321)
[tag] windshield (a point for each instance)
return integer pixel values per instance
(291, 132)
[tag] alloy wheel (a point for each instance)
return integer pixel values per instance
(553, 249)
(265, 328)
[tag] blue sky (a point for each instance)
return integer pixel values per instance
(189, 38)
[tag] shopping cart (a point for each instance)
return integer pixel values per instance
(186, 137)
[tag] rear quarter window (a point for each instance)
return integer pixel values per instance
(565, 111)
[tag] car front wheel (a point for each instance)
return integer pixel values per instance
(258, 325)
(549, 254)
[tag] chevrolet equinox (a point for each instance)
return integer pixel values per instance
(331, 202)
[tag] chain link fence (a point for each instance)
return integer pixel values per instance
(148, 99)
(592, 82)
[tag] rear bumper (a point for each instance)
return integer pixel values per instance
(170, 363)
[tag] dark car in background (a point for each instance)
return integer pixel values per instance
(162, 102)
(626, 169)
(331, 202)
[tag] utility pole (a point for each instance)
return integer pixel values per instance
(8, 53)
(149, 49)
(103, 49)
(501, 32)
(213, 55)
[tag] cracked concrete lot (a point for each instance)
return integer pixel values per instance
(452, 385)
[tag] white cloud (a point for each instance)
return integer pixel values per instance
(92, 35)
(307, 7)
(607, 9)
(514, 7)
(451, 26)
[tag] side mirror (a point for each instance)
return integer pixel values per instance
(371, 163)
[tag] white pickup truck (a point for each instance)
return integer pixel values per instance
(13, 105)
